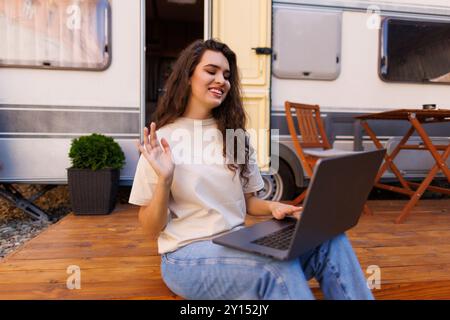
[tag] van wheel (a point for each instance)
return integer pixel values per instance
(279, 186)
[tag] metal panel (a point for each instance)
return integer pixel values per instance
(431, 7)
(43, 160)
(19, 120)
(415, 161)
(307, 43)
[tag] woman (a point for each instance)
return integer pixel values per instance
(185, 202)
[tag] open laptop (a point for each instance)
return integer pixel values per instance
(333, 204)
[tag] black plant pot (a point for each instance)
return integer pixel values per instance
(93, 192)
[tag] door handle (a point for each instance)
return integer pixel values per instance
(263, 50)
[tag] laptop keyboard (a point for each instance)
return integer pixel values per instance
(280, 239)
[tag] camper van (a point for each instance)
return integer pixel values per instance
(74, 67)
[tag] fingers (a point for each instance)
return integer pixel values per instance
(296, 211)
(146, 146)
(153, 138)
(278, 215)
(296, 214)
(166, 146)
(140, 147)
(146, 142)
(150, 137)
(293, 211)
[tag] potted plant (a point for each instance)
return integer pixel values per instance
(94, 176)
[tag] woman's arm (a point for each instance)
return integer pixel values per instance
(259, 207)
(256, 206)
(153, 217)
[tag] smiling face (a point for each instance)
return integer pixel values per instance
(209, 83)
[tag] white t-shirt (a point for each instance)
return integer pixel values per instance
(205, 199)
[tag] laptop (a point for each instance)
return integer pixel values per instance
(334, 202)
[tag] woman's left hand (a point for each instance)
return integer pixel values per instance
(281, 210)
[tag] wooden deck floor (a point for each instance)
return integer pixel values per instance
(117, 262)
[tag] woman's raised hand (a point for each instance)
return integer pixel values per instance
(160, 158)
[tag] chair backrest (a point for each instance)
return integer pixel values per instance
(310, 125)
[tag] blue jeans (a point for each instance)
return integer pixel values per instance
(204, 270)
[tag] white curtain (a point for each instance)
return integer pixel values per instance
(60, 33)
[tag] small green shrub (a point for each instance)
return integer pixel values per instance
(95, 152)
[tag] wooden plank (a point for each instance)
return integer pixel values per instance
(87, 263)
(429, 290)
(403, 256)
(106, 290)
(93, 275)
(80, 252)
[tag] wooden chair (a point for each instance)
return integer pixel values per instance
(314, 143)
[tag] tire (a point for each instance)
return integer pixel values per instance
(280, 186)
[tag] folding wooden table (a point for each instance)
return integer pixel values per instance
(440, 153)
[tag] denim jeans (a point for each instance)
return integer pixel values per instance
(204, 270)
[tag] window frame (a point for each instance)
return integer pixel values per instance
(103, 67)
(383, 52)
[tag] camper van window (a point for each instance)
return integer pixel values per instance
(63, 34)
(415, 51)
(306, 43)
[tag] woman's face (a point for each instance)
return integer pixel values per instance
(210, 81)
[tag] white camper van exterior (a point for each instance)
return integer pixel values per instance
(47, 108)
(356, 86)
(42, 110)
